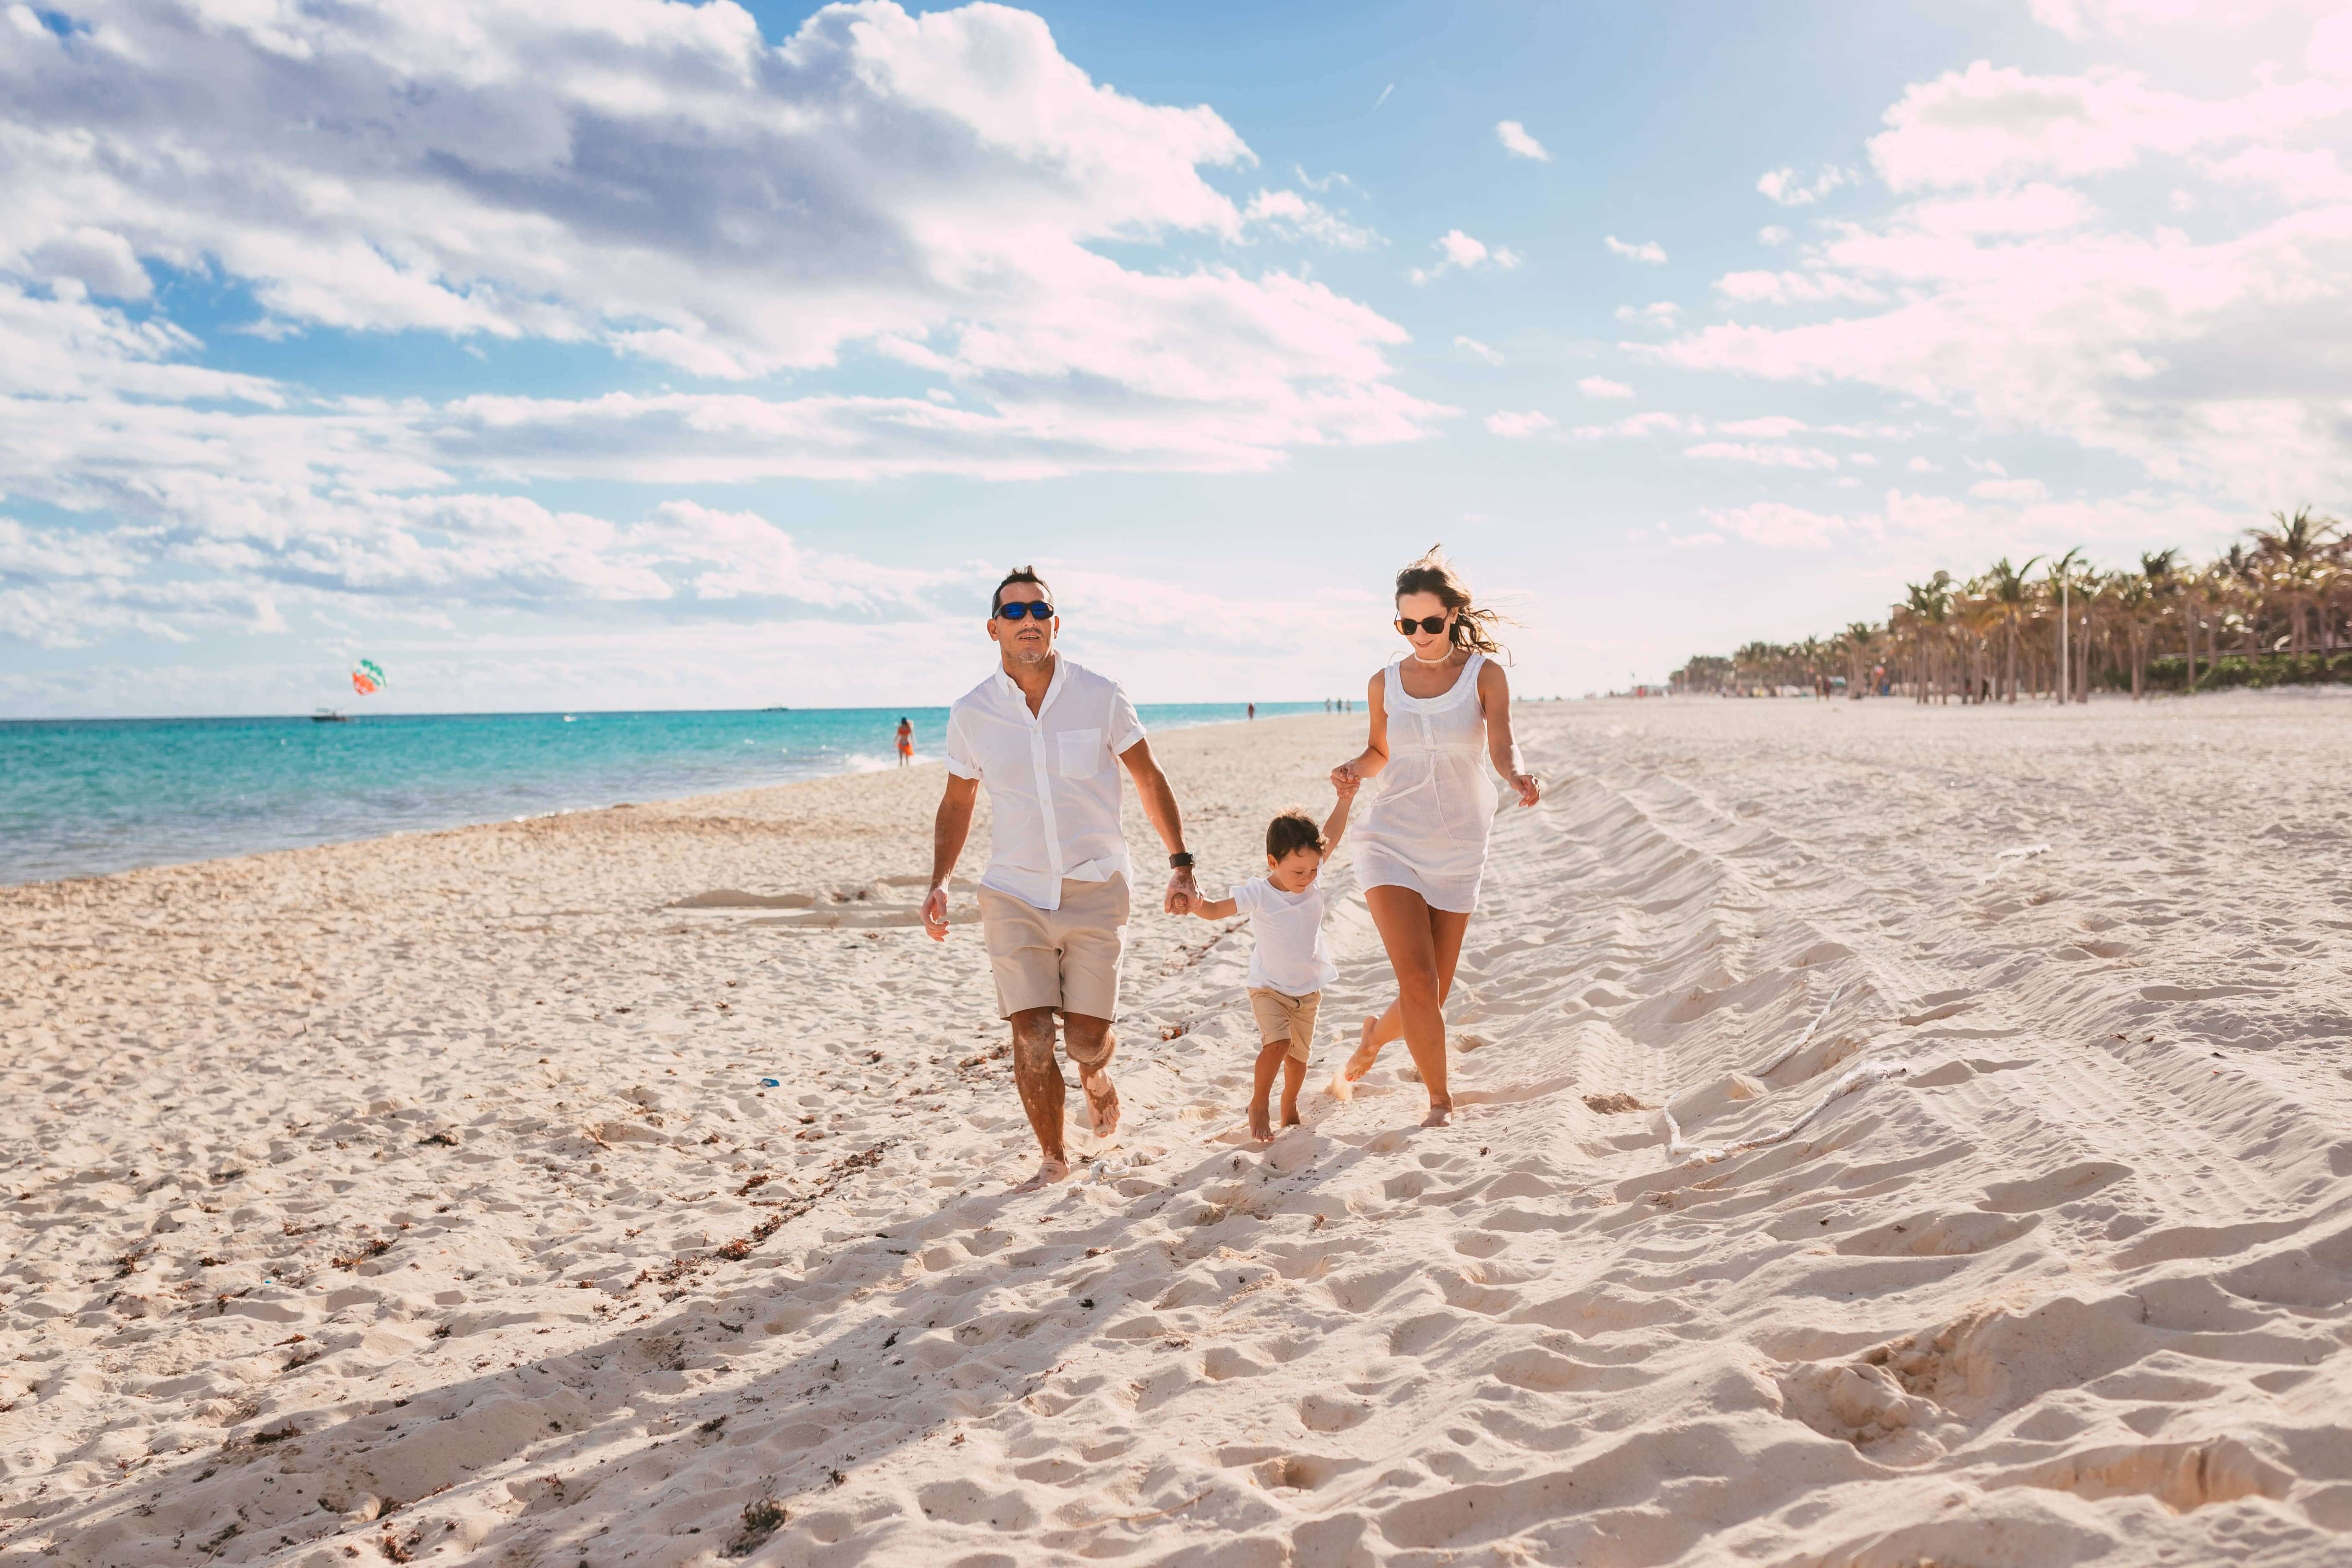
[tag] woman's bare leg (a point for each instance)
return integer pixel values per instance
(1446, 931)
(1423, 947)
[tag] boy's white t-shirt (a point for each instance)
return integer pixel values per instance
(1289, 955)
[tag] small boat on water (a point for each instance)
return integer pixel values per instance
(329, 716)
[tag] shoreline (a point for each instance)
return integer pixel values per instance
(850, 768)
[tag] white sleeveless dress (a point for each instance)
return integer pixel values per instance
(1429, 809)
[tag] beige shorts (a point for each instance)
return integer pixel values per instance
(1066, 958)
(1283, 1016)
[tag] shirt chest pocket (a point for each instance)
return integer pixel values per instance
(1078, 753)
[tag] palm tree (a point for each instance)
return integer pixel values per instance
(2290, 556)
(2286, 589)
(2006, 588)
(2135, 603)
(2197, 594)
(2241, 580)
(2164, 588)
(1929, 602)
(1858, 640)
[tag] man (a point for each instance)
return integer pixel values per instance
(1042, 733)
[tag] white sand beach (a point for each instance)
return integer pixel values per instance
(420, 1199)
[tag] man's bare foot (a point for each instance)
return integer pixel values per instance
(1049, 1170)
(1439, 1115)
(1102, 1102)
(1261, 1129)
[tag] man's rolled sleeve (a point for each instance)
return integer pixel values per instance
(1124, 722)
(963, 759)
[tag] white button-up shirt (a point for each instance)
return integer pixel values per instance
(1052, 779)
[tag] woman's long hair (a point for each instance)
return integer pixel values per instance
(1473, 625)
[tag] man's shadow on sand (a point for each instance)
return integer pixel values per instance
(533, 1417)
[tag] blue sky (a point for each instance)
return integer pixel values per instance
(634, 354)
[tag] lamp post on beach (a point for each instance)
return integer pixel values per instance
(2062, 569)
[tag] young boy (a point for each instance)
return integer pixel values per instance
(1288, 967)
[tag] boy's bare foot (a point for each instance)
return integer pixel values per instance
(1290, 1116)
(1439, 1115)
(1049, 1170)
(1261, 1128)
(1102, 1102)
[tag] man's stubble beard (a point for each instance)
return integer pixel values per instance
(1024, 653)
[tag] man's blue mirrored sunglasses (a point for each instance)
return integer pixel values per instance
(1020, 607)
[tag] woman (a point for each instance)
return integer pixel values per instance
(906, 742)
(1439, 714)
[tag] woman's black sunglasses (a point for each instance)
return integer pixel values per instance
(1020, 607)
(1433, 625)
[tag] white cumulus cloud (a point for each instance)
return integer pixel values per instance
(1288, 213)
(1457, 250)
(655, 182)
(2019, 283)
(1533, 422)
(1518, 144)
(1790, 189)
(1649, 250)
(1776, 524)
(1767, 454)
(1602, 386)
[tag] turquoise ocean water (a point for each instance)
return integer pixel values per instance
(85, 796)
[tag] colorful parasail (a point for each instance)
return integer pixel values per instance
(368, 679)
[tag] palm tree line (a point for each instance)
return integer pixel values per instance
(2271, 608)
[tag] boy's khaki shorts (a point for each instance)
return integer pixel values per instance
(1281, 1015)
(1068, 958)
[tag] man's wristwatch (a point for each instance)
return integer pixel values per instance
(1180, 861)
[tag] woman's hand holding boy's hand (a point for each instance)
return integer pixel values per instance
(1346, 781)
(1530, 788)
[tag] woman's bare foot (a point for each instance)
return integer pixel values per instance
(1102, 1102)
(1439, 1115)
(1360, 1062)
(1049, 1170)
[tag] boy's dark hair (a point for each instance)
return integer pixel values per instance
(1293, 829)
(1018, 575)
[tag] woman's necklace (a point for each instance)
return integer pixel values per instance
(1445, 658)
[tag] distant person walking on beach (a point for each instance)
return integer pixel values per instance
(906, 743)
(1252, 709)
(1439, 715)
(1043, 734)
